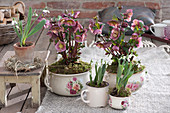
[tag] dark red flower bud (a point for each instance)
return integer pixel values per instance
(124, 24)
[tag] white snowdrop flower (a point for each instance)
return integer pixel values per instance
(14, 22)
(46, 11)
(35, 14)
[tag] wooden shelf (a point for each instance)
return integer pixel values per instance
(156, 38)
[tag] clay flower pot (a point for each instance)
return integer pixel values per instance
(96, 96)
(25, 54)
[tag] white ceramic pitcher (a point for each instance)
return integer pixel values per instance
(158, 30)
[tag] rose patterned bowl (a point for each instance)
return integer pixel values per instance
(135, 82)
(119, 102)
(67, 84)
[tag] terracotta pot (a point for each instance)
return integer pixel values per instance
(96, 97)
(66, 84)
(119, 102)
(134, 83)
(25, 54)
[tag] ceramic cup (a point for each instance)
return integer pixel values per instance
(96, 97)
(167, 28)
(158, 30)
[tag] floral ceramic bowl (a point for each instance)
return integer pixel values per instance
(119, 102)
(67, 84)
(135, 81)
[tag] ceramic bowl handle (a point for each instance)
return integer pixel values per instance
(46, 82)
(82, 96)
(151, 29)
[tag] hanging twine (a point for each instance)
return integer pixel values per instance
(15, 65)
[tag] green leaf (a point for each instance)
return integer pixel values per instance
(114, 18)
(99, 75)
(37, 28)
(27, 27)
(96, 77)
(19, 35)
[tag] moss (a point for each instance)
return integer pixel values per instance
(113, 67)
(72, 68)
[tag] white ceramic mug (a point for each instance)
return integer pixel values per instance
(158, 29)
(96, 97)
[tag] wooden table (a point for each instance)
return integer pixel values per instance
(32, 77)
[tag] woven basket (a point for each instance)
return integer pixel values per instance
(7, 33)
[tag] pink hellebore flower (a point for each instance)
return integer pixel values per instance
(60, 46)
(56, 29)
(76, 14)
(47, 24)
(140, 44)
(70, 22)
(78, 26)
(78, 38)
(146, 28)
(114, 34)
(113, 23)
(128, 15)
(99, 44)
(115, 48)
(94, 28)
(107, 44)
(136, 23)
(134, 36)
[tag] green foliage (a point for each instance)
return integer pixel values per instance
(100, 71)
(23, 34)
(125, 69)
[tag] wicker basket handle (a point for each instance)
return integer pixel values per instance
(23, 5)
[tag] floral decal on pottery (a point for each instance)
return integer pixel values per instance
(124, 104)
(74, 86)
(110, 101)
(134, 86)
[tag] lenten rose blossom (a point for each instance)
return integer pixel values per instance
(60, 46)
(134, 36)
(47, 24)
(139, 40)
(95, 28)
(99, 44)
(115, 33)
(115, 48)
(113, 23)
(137, 23)
(76, 14)
(70, 22)
(78, 38)
(128, 15)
